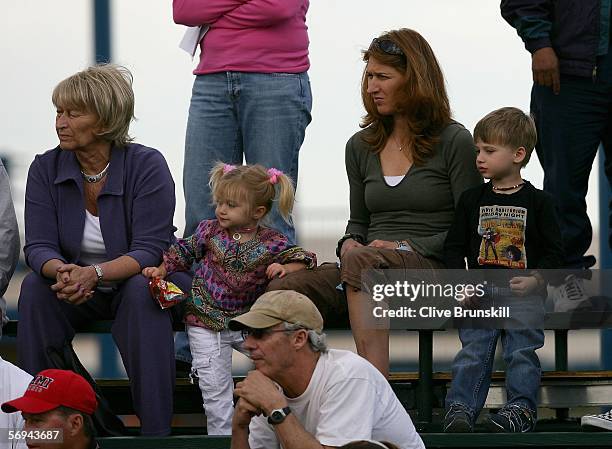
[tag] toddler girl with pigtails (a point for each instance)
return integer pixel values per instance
(235, 257)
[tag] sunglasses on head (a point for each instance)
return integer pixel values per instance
(387, 46)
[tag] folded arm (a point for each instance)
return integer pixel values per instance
(258, 395)
(198, 12)
(262, 13)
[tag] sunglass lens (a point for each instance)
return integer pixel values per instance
(255, 333)
(390, 47)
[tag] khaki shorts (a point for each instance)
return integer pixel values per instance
(321, 283)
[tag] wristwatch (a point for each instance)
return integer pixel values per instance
(403, 245)
(99, 272)
(278, 415)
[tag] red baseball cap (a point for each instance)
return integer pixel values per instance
(53, 388)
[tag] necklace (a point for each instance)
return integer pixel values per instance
(503, 189)
(95, 178)
(237, 235)
(237, 264)
(397, 143)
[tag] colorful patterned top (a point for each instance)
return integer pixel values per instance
(228, 276)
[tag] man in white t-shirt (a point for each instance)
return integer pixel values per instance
(13, 383)
(303, 396)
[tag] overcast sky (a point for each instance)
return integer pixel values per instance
(42, 42)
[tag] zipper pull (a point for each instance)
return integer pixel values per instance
(594, 74)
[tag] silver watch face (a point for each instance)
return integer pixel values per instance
(277, 416)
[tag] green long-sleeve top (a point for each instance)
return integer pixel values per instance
(421, 208)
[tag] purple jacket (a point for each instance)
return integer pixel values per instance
(135, 206)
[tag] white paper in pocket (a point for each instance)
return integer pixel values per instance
(192, 37)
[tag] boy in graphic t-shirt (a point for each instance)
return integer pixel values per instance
(505, 223)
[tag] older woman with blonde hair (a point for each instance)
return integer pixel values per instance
(98, 210)
(406, 170)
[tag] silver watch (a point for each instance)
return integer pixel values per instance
(278, 415)
(99, 272)
(402, 245)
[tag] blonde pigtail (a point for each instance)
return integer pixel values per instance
(286, 196)
(216, 173)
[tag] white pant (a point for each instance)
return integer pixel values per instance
(212, 362)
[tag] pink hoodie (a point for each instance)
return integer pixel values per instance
(264, 36)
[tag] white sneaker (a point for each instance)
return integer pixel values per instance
(603, 421)
(568, 295)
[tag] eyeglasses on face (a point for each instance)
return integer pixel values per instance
(387, 46)
(258, 334)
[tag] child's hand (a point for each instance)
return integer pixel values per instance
(523, 285)
(276, 269)
(154, 272)
(471, 301)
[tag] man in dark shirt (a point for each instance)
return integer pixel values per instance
(571, 102)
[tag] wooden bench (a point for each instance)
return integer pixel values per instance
(95, 327)
(558, 390)
(422, 390)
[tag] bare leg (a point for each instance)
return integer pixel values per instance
(371, 334)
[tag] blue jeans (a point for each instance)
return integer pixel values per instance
(260, 117)
(570, 128)
(473, 365)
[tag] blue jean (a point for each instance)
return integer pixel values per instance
(260, 117)
(473, 365)
(570, 128)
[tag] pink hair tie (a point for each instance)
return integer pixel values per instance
(228, 168)
(274, 174)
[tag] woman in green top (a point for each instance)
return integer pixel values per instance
(406, 170)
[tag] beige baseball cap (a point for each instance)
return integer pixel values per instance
(277, 306)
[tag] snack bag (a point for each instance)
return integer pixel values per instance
(165, 293)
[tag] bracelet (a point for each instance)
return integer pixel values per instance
(358, 238)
